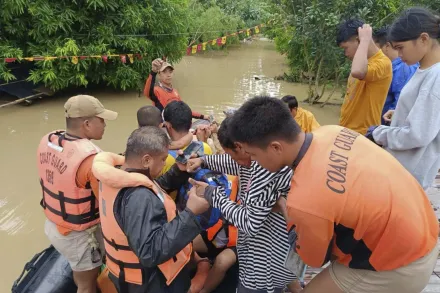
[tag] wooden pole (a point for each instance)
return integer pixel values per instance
(21, 100)
(12, 82)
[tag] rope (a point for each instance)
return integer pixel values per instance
(94, 244)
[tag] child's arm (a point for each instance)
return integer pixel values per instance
(181, 143)
(261, 198)
(222, 163)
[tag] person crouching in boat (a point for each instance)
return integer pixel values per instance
(147, 244)
(70, 190)
(163, 93)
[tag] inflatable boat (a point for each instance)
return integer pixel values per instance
(46, 272)
(49, 272)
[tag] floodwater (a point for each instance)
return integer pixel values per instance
(209, 83)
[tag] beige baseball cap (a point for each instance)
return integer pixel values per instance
(165, 65)
(87, 106)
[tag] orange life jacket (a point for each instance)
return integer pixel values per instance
(166, 95)
(121, 260)
(58, 160)
(360, 199)
(230, 230)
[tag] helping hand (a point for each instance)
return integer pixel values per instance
(196, 204)
(182, 167)
(193, 164)
(213, 127)
(200, 186)
(203, 132)
(388, 115)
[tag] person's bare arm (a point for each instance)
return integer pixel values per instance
(181, 143)
(359, 68)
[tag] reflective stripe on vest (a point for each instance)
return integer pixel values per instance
(230, 230)
(121, 260)
(65, 204)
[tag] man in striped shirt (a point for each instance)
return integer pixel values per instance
(262, 244)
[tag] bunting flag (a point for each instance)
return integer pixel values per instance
(131, 57)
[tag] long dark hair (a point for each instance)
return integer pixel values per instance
(412, 23)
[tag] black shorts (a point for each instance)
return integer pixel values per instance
(212, 250)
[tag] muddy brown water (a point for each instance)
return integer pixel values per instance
(209, 83)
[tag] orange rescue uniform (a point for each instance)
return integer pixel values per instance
(122, 262)
(161, 95)
(58, 159)
(360, 204)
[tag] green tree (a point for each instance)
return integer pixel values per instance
(91, 27)
(306, 33)
(209, 21)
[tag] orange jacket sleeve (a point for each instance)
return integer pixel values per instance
(84, 176)
(315, 237)
(150, 93)
(197, 115)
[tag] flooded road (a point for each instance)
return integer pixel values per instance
(209, 83)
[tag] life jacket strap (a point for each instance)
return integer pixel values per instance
(73, 219)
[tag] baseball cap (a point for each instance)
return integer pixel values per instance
(87, 106)
(165, 65)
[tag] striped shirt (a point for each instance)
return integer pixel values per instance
(262, 244)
